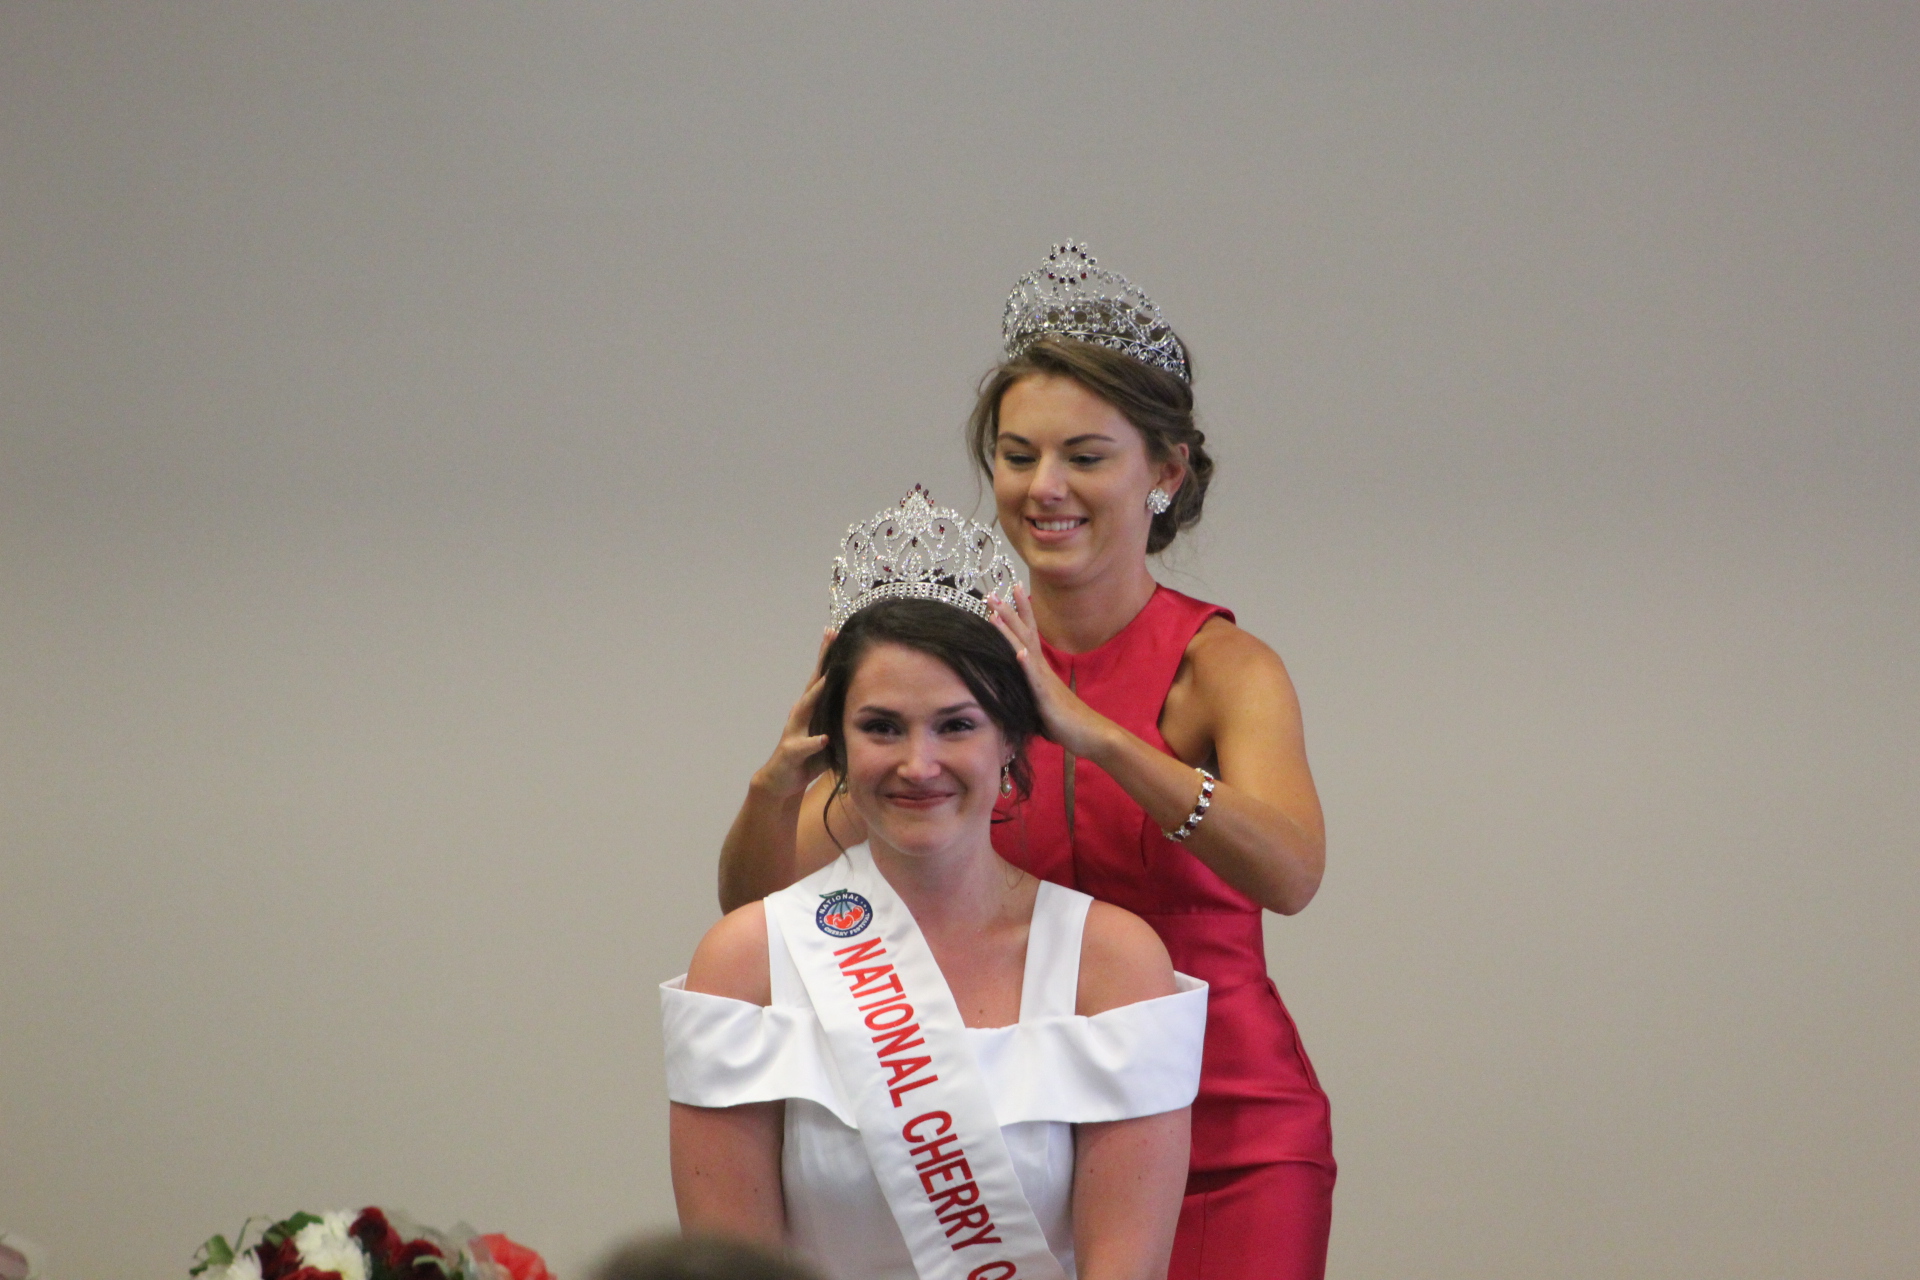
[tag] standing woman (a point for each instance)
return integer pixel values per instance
(1174, 780)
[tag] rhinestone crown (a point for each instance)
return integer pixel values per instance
(918, 551)
(1070, 295)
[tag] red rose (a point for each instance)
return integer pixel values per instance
(314, 1273)
(414, 1254)
(377, 1236)
(278, 1261)
(521, 1262)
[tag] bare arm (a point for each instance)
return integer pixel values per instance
(1264, 833)
(726, 1160)
(726, 1171)
(758, 857)
(761, 854)
(772, 849)
(1128, 1175)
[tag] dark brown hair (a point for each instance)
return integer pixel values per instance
(971, 647)
(697, 1258)
(1158, 404)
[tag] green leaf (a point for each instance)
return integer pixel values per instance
(218, 1253)
(284, 1230)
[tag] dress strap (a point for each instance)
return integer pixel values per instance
(789, 988)
(1050, 986)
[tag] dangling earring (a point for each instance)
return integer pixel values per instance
(1006, 778)
(1158, 500)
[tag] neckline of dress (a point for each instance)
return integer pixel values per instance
(1052, 650)
(1042, 889)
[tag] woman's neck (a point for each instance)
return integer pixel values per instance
(956, 890)
(1081, 616)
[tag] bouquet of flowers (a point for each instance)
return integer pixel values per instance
(365, 1246)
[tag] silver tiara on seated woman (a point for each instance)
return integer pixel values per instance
(917, 551)
(1070, 295)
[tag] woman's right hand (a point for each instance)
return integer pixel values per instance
(800, 756)
(1064, 718)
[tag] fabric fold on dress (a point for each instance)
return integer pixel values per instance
(726, 1053)
(1137, 1060)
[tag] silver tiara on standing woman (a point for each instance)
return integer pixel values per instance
(917, 551)
(1071, 296)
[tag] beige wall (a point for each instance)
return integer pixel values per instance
(424, 431)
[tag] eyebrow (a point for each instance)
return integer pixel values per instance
(1073, 440)
(968, 705)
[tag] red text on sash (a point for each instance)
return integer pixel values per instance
(939, 1159)
(883, 1004)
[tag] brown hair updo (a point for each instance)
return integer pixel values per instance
(1158, 404)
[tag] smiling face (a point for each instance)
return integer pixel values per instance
(923, 759)
(1071, 477)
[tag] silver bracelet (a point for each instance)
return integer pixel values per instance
(1200, 807)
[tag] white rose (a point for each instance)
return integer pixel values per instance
(326, 1246)
(244, 1267)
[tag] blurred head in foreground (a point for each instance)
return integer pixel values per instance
(697, 1258)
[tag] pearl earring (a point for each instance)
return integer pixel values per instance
(1006, 778)
(1158, 500)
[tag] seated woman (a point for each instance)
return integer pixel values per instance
(920, 1060)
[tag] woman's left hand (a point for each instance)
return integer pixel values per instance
(1066, 720)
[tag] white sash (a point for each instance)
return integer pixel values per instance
(901, 1046)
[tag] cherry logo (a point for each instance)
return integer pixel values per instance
(843, 913)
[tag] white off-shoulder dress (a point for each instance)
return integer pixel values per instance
(1049, 1071)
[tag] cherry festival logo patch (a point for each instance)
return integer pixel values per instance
(843, 914)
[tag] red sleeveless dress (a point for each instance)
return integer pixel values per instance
(1259, 1197)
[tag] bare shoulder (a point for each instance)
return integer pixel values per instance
(731, 960)
(1240, 686)
(1223, 654)
(1122, 961)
